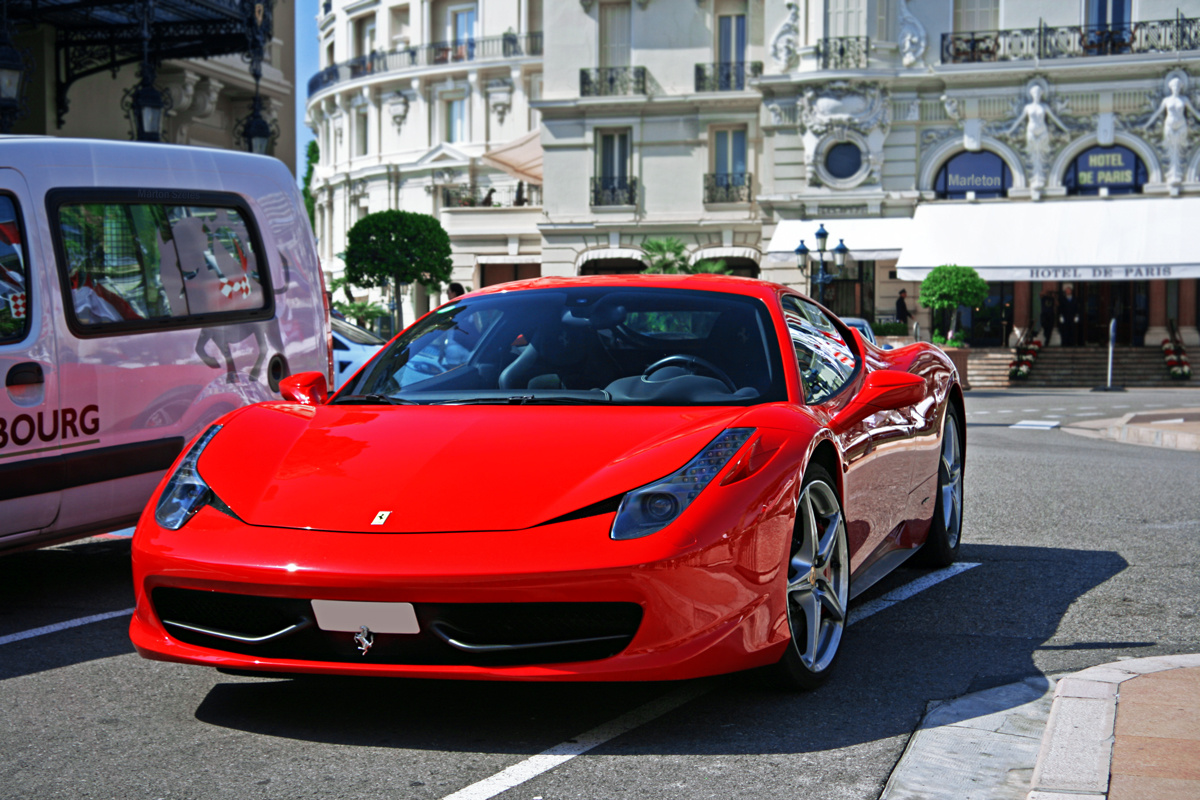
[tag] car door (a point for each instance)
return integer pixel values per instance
(875, 481)
(31, 469)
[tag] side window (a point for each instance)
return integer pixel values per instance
(133, 265)
(14, 275)
(826, 362)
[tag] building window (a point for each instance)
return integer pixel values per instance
(843, 160)
(491, 274)
(1117, 169)
(1108, 13)
(729, 181)
(460, 22)
(456, 120)
(361, 140)
(329, 54)
(984, 173)
(976, 15)
(364, 35)
(400, 21)
(846, 18)
(614, 35)
(535, 93)
(613, 185)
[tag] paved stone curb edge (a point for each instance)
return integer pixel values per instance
(1076, 753)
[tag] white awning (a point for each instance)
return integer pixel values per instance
(508, 259)
(714, 253)
(608, 253)
(869, 239)
(520, 158)
(1119, 239)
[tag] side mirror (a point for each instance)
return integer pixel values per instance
(307, 388)
(884, 390)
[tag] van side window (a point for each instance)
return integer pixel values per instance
(14, 275)
(137, 265)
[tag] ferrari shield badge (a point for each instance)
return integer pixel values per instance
(364, 639)
(381, 517)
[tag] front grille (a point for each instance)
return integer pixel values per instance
(559, 632)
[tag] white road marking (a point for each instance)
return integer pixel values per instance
(1036, 424)
(1057, 409)
(859, 613)
(1005, 411)
(1054, 416)
(1085, 408)
(981, 413)
(1120, 406)
(62, 626)
(1156, 405)
(1030, 410)
(547, 760)
(1088, 414)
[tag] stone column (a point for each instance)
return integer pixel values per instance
(1158, 314)
(1187, 313)
(1021, 300)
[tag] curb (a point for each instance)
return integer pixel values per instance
(1076, 753)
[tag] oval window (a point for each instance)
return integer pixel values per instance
(843, 160)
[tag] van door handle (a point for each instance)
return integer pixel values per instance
(27, 373)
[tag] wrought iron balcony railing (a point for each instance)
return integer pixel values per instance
(844, 52)
(614, 191)
(1072, 41)
(729, 76)
(612, 81)
(491, 48)
(525, 194)
(727, 187)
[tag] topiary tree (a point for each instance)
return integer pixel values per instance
(949, 286)
(669, 257)
(396, 248)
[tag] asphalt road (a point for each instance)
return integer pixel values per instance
(1088, 552)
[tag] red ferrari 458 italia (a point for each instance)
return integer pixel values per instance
(608, 478)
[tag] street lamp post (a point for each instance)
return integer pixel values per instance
(822, 277)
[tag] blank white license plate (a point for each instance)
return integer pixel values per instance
(350, 615)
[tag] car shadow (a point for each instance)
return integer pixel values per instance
(981, 628)
(40, 588)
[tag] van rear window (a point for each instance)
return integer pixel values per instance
(14, 277)
(142, 265)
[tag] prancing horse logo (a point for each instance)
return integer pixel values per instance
(365, 639)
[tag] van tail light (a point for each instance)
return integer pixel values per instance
(328, 327)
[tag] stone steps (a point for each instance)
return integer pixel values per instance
(1071, 368)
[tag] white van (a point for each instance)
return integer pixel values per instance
(144, 291)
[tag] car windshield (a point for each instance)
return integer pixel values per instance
(584, 345)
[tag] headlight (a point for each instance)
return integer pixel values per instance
(186, 492)
(656, 505)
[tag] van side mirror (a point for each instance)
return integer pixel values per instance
(307, 388)
(883, 391)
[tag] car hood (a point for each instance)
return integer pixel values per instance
(443, 468)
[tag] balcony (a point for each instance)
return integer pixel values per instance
(727, 187)
(491, 48)
(614, 191)
(523, 195)
(612, 81)
(1071, 41)
(844, 52)
(729, 76)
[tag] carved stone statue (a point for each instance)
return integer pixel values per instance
(1037, 134)
(1174, 109)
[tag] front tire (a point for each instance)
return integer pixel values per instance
(818, 585)
(945, 533)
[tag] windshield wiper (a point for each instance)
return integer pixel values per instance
(372, 400)
(526, 399)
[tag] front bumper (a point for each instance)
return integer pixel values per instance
(674, 605)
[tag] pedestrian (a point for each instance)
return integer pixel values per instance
(1048, 312)
(1068, 317)
(902, 314)
(455, 291)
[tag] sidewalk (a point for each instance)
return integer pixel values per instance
(1175, 428)
(1129, 730)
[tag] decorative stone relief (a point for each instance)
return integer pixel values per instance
(913, 40)
(785, 44)
(1174, 107)
(499, 94)
(397, 108)
(196, 99)
(844, 111)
